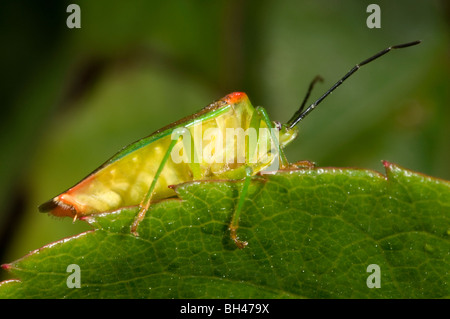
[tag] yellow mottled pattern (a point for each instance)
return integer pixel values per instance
(126, 181)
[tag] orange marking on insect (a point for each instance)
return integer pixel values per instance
(67, 204)
(6, 266)
(62, 209)
(235, 97)
(71, 201)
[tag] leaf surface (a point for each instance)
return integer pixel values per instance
(311, 234)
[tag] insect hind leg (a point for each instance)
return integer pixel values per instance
(145, 204)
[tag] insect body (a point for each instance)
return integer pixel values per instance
(205, 146)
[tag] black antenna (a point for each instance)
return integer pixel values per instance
(300, 114)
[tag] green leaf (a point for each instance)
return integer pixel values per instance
(311, 233)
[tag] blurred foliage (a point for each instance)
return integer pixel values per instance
(72, 97)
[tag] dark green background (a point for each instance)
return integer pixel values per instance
(72, 97)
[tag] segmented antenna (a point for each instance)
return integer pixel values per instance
(300, 114)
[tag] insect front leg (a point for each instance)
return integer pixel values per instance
(262, 113)
(303, 164)
(258, 116)
(235, 219)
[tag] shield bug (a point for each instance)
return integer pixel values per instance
(198, 147)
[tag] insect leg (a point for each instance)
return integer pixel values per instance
(303, 164)
(255, 123)
(145, 204)
(193, 163)
(283, 159)
(250, 148)
(235, 219)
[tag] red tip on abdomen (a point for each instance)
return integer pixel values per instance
(6, 266)
(68, 203)
(235, 97)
